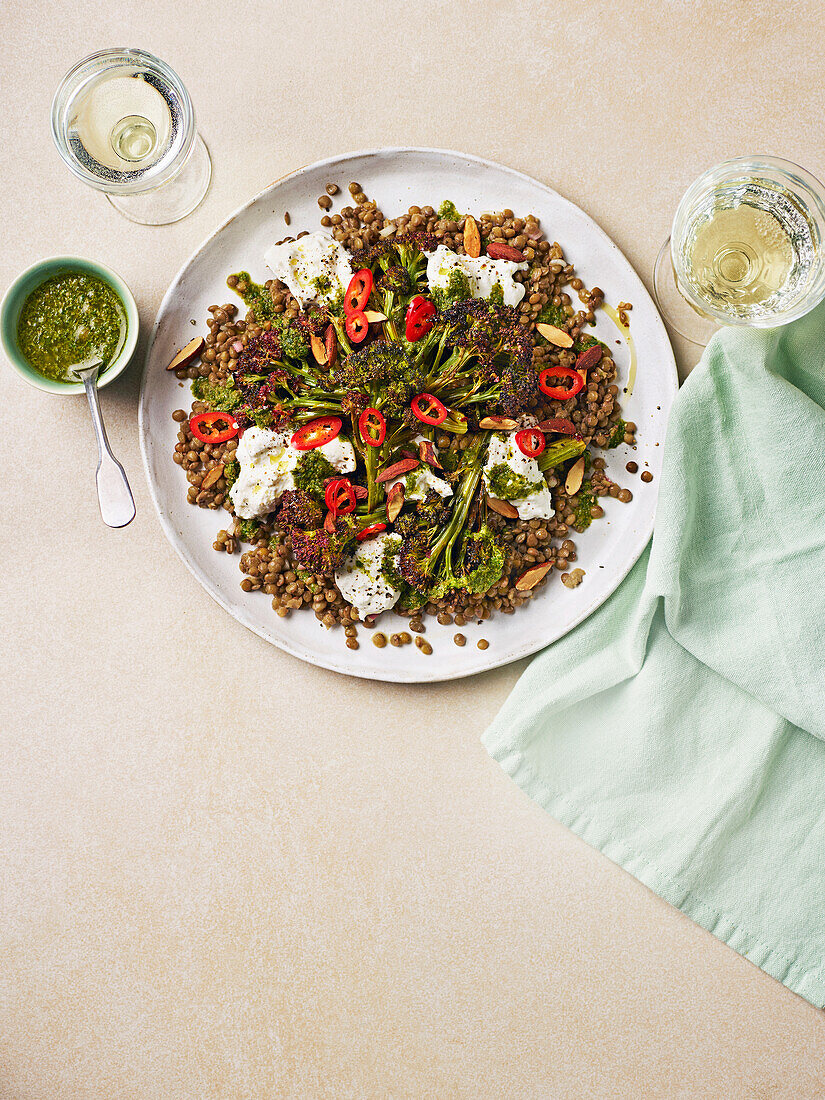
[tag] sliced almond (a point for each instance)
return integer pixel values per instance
(503, 507)
(555, 335)
(575, 477)
(395, 501)
(213, 476)
(373, 316)
(472, 238)
(187, 354)
(426, 452)
(319, 350)
(331, 345)
(498, 423)
(405, 466)
(531, 577)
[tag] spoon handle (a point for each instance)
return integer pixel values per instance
(117, 506)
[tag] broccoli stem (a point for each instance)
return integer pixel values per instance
(462, 500)
(560, 451)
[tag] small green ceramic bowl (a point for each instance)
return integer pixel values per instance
(14, 300)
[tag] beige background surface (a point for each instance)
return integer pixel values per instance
(227, 874)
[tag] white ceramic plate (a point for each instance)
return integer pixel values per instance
(397, 178)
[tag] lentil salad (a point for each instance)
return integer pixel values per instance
(278, 558)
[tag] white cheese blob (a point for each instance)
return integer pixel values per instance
(316, 268)
(418, 482)
(360, 579)
(267, 467)
(503, 448)
(482, 273)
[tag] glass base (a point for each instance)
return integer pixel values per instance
(676, 310)
(173, 200)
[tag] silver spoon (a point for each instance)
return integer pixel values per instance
(117, 505)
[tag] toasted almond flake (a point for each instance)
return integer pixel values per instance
(427, 453)
(575, 477)
(555, 335)
(531, 577)
(405, 466)
(387, 231)
(472, 239)
(213, 476)
(373, 316)
(498, 423)
(331, 345)
(395, 501)
(187, 354)
(503, 507)
(319, 351)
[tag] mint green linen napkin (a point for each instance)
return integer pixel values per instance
(680, 728)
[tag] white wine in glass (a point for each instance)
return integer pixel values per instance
(746, 248)
(124, 123)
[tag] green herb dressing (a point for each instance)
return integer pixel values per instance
(505, 484)
(68, 319)
(448, 212)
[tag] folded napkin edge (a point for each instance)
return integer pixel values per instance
(802, 976)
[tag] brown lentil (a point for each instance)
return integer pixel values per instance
(632, 467)
(647, 476)
(459, 639)
(482, 643)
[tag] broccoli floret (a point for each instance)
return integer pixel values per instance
(397, 279)
(230, 472)
(456, 290)
(299, 509)
(494, 335)
(261, 418)
(248, 530)
(586, 501)
(483, 561)
(412, 560)
(221, 396)
(311, 471)
(320, 551)
(382, 368)
(496, 295)
(617, 435)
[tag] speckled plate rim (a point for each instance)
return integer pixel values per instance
(426, 671)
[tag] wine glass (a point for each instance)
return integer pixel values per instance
(123, 122)
(746, 248)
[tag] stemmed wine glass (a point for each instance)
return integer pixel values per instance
(124, 123)
(746, 248)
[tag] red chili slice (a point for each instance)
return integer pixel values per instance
(214, 427)
(356, 326)
(373, 427)
(368, 532)
(429, 409)
(558, 424)
(358, 291)
(560, 393)
(339, 497)
(530, 442)
(420, 316)
(316, 433)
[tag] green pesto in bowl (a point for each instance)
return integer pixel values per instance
(69, 318)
